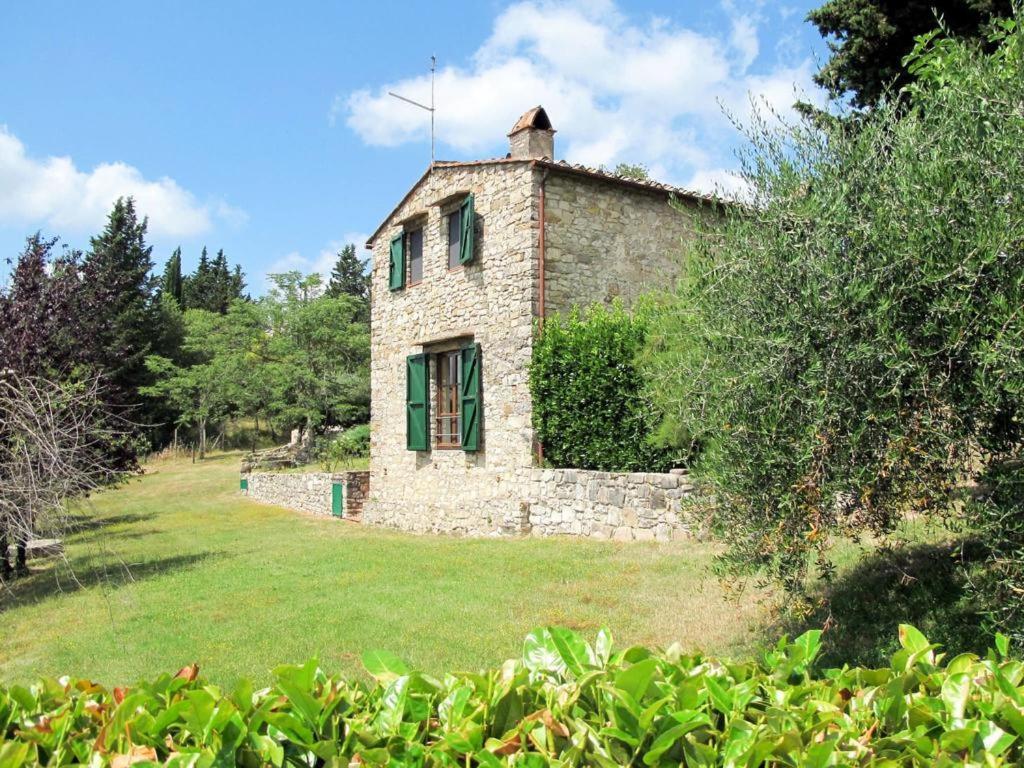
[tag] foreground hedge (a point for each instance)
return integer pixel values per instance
(564, 703)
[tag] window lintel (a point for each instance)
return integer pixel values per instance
(411, 223)
(445, 342)
(452, 200)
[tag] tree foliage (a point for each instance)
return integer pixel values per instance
(634, 171)
(69, 316)
(850, 346)
(118, 318)
(590, 410)
(171, 282)
(213, 285)
(296, 357)
(40, 312)
(203, 387)
(317, 349)
(349, 276)
(869, 39)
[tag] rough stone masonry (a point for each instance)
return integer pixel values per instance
(310, 491)
(620, 506)
(546, 235)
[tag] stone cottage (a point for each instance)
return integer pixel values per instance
(463, 267)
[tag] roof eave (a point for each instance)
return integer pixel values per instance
(558, 167)
(441, 165)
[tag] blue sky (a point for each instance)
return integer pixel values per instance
(264, 128)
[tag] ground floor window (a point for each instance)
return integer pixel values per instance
(443, 399)
(448, 426)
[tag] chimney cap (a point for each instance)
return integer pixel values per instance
(535, 118)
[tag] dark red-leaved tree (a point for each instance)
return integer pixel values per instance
(39, 312)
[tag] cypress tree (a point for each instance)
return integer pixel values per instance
(221, 284)
(237, 282)
(120, 318)
(213, 286)
(348, 277)
(195, 286)
(171, 283)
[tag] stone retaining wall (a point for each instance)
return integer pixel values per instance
(310, 491)
(622, 506)
(607, 505)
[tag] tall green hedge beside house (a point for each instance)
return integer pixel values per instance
(590, 409)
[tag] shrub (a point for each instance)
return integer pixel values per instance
(564, 703)
(338, 450)
(998, 517)
(590, 409)
(850, 346)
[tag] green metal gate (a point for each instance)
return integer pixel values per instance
(338, 499)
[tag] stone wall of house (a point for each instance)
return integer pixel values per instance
(309, 491)
(604, 241)
(488, 301)
(621, 506)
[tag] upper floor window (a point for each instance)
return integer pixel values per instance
(455, 238)
(461, 223)
(415, 251)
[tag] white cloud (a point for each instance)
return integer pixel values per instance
(617, 90)
(322, 262)
(721, 182)
(744, 40)
(54, 192)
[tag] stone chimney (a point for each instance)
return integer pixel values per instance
(532, 137)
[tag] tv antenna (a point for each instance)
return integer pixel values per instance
(430, 109)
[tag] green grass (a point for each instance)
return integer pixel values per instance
(177, 568)
(353, 464)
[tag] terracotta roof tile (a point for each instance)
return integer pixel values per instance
(533, 118)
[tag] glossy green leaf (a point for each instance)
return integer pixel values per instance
(541, 654)
(574, 652)
(636, 679)
(384, 666)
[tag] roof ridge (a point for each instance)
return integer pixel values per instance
(563, 165)
(645, 182)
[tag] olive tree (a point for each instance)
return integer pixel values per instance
(849, 346)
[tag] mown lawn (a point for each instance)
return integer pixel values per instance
(178, 568)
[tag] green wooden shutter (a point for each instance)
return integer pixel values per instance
(417, 403)
(469, 398)
(337, 499)
(466, 241)
(396, 270)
